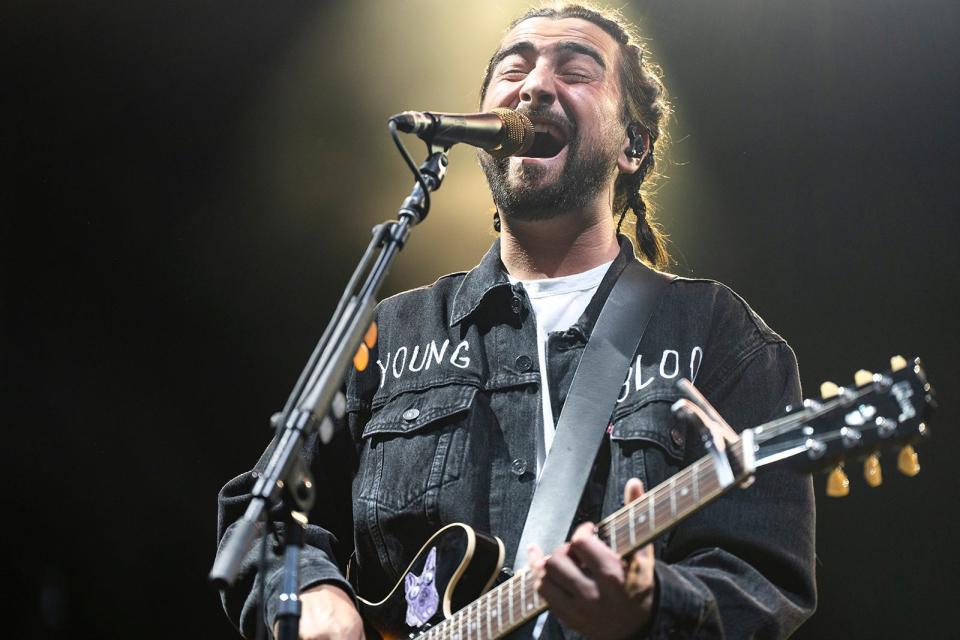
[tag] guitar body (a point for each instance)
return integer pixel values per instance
(453, 568)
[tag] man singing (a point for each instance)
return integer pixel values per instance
(457, 419)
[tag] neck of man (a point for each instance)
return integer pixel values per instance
(565, 244)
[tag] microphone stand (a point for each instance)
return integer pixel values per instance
(316, 401)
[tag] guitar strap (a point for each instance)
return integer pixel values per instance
(589, 405)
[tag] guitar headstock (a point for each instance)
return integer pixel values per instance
(882, 411)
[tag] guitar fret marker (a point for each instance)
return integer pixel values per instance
(696, 482)
(489, 616)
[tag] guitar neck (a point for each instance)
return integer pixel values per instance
(516, 601)
(639, 522)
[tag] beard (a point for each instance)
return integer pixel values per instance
(585, 173)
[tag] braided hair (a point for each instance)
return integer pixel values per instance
(644, 103)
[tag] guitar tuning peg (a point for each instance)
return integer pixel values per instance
(907, 461)
(838, 484)
(897, 363)
(829, 390)
(862, 377)
(872, 472)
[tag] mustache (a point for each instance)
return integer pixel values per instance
(545, 114)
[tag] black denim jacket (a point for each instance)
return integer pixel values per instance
(443, 429)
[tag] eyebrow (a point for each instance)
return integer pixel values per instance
(576, 47)
(516, 47)
(567, 47)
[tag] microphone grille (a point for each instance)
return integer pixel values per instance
(519, 133)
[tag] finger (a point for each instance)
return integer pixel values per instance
(534, 554)
(638, 577)
(535, 560)
(633, 490)
(583, 544)
(599, 562)
(585, 530)
(564, 572)
(564, 605)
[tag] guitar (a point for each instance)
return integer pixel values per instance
(445, 592)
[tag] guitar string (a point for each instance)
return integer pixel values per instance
(526, 604)
(476, 606)
(621, 518)
(782, 425)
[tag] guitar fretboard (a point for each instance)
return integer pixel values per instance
(515, 601)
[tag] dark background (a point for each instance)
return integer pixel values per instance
(190, 183)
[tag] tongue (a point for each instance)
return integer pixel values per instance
(544, 146)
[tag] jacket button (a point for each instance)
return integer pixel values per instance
(524, 363)
(411, 414)
(677, 436)
(515, 304)
(518, 467)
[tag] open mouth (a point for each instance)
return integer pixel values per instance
(548, 141)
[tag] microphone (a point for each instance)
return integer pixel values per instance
(501, 132)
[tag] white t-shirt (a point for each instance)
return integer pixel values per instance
(557, 304)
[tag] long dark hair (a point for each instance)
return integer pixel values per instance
(645, 103)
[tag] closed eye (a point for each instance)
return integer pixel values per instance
(577, 72)
(514, 74)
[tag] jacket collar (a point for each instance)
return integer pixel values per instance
(490, 274)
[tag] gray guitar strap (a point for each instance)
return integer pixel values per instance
(589, 405)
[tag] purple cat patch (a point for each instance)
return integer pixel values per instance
(421, 592)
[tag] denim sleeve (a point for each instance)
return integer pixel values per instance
(322, 553)
(744, 565)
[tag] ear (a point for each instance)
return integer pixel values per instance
(431, 562)
(409, 582)
(635, 149)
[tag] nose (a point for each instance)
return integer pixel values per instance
(538, 88)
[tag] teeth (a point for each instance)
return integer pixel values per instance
(552, 129)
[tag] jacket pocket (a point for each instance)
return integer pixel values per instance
(408, 441)
(408, 452)
(647, 442)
